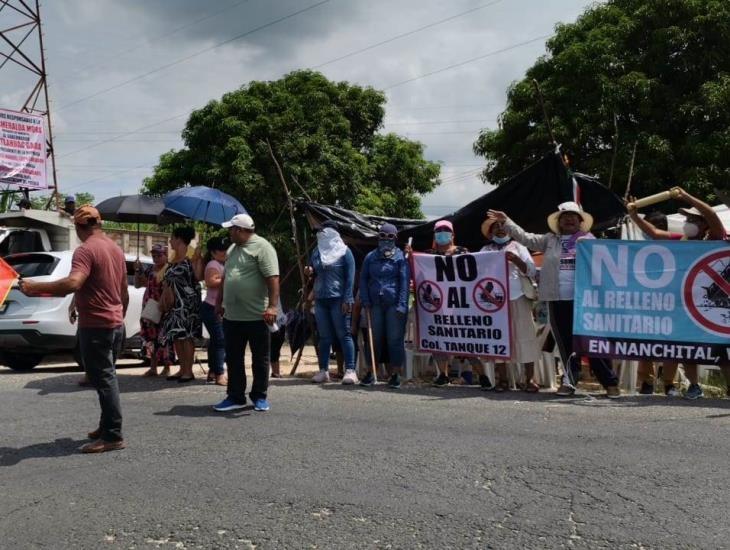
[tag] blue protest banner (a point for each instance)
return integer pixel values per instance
(663, 300)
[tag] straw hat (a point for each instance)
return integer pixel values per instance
(586, 219)
(487, 226)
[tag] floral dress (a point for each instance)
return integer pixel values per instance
(150, 332)
(183, 320)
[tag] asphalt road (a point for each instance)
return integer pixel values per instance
(337, 467)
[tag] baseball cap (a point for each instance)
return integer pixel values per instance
(244, 221)
(84, 214)
(70, 198)
(443, 224)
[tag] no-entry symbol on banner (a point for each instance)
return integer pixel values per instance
(489, 295)
(706, 291)
(430, 296)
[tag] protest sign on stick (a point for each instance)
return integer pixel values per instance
(462, 304)
(22, 150)
(664, 300)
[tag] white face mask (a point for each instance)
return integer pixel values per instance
(690, 230)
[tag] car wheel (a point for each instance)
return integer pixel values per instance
(21, 361)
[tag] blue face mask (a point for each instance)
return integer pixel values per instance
(386, 245)
(442, 238)
(500, 240)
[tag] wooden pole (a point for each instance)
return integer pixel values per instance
(615, 149)
(541, 100)
(631, 173)
(292, 220)
(373, 361)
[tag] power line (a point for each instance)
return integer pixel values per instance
(417, 122)
(408, 33)
(87, 182)
(462, 63)
(191, 56)
(131, 132)
(159, 37)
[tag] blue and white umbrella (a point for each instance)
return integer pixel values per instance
(203, 204)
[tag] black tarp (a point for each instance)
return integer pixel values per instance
(528, 198)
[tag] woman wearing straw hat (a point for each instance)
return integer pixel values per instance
(567, 224)
(521, 271)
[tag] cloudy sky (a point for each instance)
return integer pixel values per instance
(125, 74)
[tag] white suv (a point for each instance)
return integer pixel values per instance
(31, 328)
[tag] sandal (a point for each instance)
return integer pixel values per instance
(532, 387)
(149, 372)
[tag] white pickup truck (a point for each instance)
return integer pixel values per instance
(36, 231)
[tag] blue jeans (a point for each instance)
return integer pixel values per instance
(333, 325)
(389, 329)
(217, 342)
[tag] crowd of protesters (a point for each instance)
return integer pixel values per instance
(242, 306)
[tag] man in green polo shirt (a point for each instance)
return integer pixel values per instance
(248, 300)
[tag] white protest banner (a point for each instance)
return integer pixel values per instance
(22, 150)
(462, 304)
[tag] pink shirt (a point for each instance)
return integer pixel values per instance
(212, 294)
(99, 300)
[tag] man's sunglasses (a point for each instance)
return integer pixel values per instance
(386, 236)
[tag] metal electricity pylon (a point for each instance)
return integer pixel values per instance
(23, 66)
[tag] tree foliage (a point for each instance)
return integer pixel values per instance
(323, 133)
(41, 201)
(656, 73)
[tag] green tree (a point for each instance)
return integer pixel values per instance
(323, 133)
(656, 73)
(40, 201)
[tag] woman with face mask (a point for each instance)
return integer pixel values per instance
(701, 223)
(444, 244)
(384, 292)
(524, 334)
(568, 224)
(333, 268)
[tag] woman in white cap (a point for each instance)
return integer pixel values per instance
(524, 346)
(568, 224)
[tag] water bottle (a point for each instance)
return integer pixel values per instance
(273, 327)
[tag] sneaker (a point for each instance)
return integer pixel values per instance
(369, 380)
(228, 404)
(485, 382)
(261, 405)
(394, 381)
(565, 390)
(693, 392)
(350, 377)
(613, 392)
(646, 389)
(321, 377)
(441, 380)
(671, 391)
